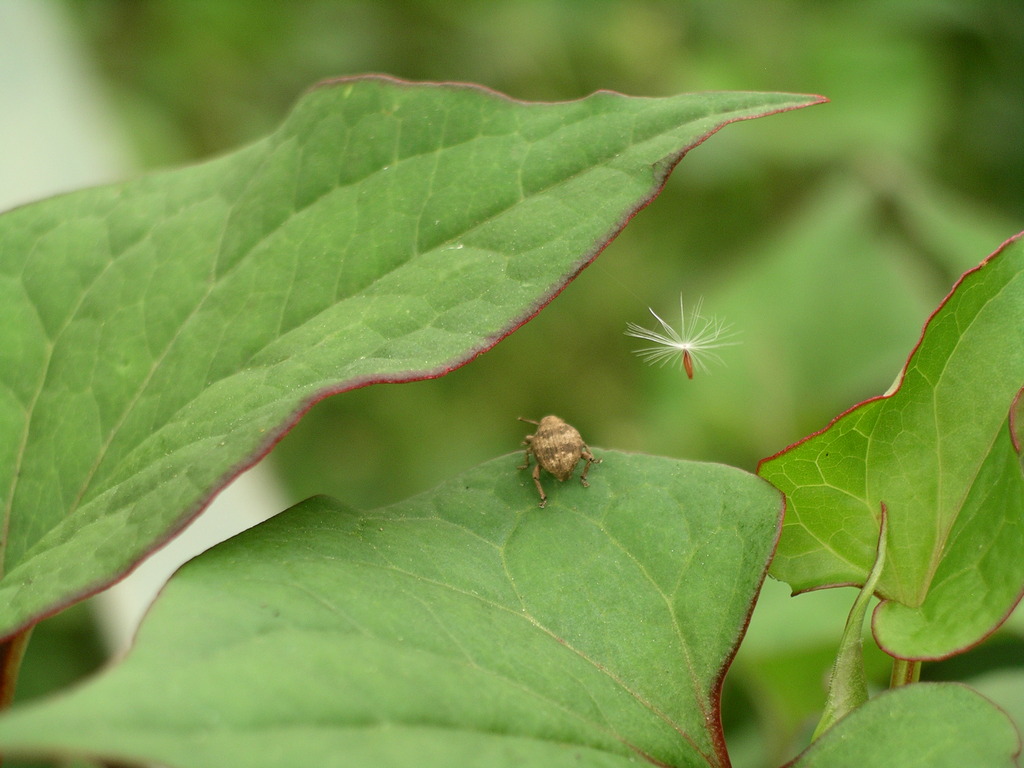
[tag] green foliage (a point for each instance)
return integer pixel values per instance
(912, 727)
(464, 626)
(937, 453)
(169, 330)
(825, 238)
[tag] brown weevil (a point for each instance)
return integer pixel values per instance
(558, 448)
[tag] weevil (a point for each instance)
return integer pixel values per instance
(557, 448)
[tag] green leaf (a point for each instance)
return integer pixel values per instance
(161, 335)
(465, 626)
(938, 453)
(926, 725)
(787, 652)
(1005, 687)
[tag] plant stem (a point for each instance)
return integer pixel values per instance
(904, 672)
(11, 652)
(847, 686)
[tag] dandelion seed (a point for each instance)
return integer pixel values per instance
(692, 344)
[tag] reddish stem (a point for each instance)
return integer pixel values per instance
(904, 672)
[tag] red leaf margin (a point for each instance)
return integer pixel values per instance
(1016, 426)
(663, 170)
(898, 383)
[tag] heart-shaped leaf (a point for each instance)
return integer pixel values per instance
(938, 452)
(463, 627)
(160, 335)
(927, 725)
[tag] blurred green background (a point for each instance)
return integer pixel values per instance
(825, 236)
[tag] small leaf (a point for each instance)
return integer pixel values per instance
(937, 453)
(926, 725)
(161, 335)
(463, 627)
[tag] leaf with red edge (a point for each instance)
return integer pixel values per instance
(161, 335)
(462, 627)
(937, 451)
(928, 725)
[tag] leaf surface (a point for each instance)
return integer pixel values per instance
(161, 335)
(465, 626)
(938, 452)
(925, 725)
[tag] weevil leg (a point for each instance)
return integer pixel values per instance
(540, 490)
(586, 455)
(526, 458)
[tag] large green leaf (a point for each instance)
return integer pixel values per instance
(938, 453)
(160, 335)
(928, 725)
(463, 627)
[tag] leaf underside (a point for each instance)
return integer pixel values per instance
(161, 335)
(465, 626)
(938, 453)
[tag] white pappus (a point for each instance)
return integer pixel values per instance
(691, 345)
